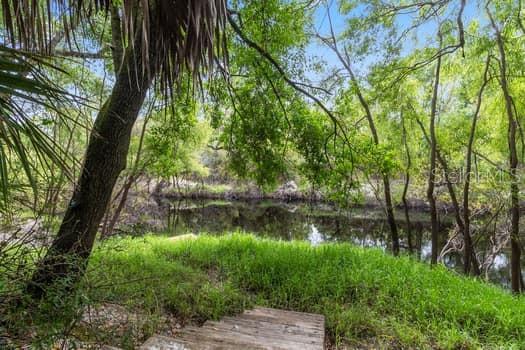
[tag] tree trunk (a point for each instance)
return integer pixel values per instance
(104, 160)
(390, 215)
(130, 180)
(122, 202)
(472, 261)
(345, 61)
(468, 247)
(432, 173)
(405, 187)
(453, 199)
(515, 260)
(419, 242)
(386, 180)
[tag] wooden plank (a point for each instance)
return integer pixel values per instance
(275, 328)
(279, 335)
(159, 342)
(257, 329)
(318, 332)
(312, 324)
(202, 341)
(290, 313)
(287, 315)
(243, 339)
(288, 321)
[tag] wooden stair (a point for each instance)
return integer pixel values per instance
(257, 329)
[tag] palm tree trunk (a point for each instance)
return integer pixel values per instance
(104, 160)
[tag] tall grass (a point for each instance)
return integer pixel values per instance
(367, 297)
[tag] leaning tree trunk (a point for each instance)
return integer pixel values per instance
(130, 180)
(104, 160)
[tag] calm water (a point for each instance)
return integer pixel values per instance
(316, 223)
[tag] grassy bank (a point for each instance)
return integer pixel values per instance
(367, 297)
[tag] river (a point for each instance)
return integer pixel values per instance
(317, 223)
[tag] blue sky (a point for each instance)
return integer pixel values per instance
(418, 37)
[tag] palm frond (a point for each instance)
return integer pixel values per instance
(175, 34)
(188, 34)
(22, 141)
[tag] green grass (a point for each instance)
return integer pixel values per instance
(215, 188)
(367, 297)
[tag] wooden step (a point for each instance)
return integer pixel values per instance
(277, 327)
(280, 336)
(159, 342)
(284, 315)
(257, 329)
(196, 337)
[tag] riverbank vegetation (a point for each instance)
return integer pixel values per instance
(109, 106)
(370, 299)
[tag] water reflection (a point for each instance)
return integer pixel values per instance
(314, 223)
(315, 236)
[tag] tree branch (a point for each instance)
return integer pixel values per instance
(78, 54)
